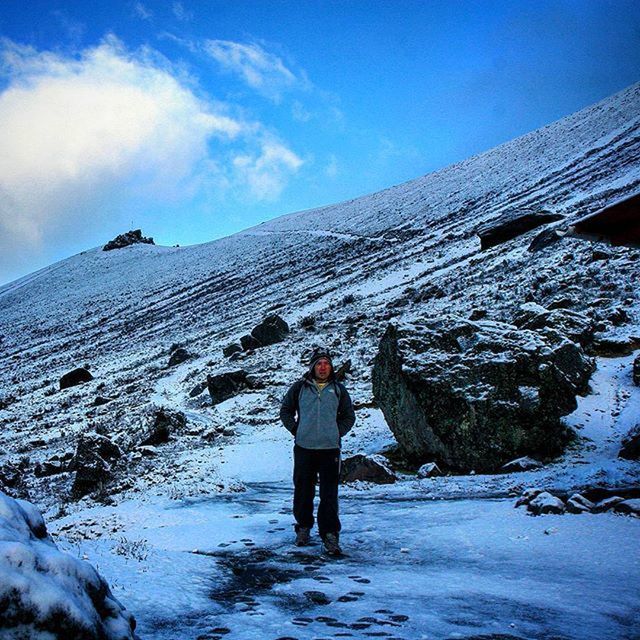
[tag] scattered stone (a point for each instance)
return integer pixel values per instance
(545, 503)
(178, 356)
(478, 314)
(577, 503)
(629, 507)
(544, 239)
(369, 468)
(636, 370)
(631, 444)
(92, 462)
(100, 400)
(147, 451)
(248, 343)
(521, 464)
(317, 597)
(473, 395)
(198, 389)
(429, 470)
(49, 468)
(75, 377)
(271, 330)
(343, 371)
(165, 423)
(607, 504)
(126, 240)
(230, 349)
(227, 385)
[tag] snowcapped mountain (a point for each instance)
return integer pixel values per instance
(337, 275)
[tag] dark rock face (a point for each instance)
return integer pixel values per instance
(75, 377)
(513, 224)
(636, 370)
(474, 395)
(631, 445)
(226, 385)
(92, 462)
(53, 594)
(271, 330)
(366, 468)
(164, 424)
(127, 239)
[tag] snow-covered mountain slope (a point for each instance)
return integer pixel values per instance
(406, 251)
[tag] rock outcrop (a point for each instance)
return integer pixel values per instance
(474, 395)
(226, 385)
(47, 593)
(513, 224)
(127, 239)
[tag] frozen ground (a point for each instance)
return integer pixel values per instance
(420, 563)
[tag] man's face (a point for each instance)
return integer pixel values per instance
(322, 370)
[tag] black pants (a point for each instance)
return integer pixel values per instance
(308, 466)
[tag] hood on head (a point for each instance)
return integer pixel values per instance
(315, 356)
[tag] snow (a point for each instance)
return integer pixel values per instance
(39, 584)
(450, 553)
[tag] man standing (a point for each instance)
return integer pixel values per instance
(317, 410)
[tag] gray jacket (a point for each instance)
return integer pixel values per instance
(317, 419)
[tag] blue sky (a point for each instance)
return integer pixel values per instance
(193, 120)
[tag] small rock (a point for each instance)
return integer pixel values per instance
(636, 370)
(317, 597)
(230, 349)
(368, 468)
(545, 503)
(629, 507)
(607, 504)
(521, 464)
(577, 503)
(429, 470)
(178, 356)
(248, 342)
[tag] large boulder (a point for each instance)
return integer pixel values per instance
(75, 377)
(271, 330)
(127, 239)
(45, 593)
(474, 395)
(92, 462)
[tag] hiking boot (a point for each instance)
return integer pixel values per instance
(302, 536)
(331, 544)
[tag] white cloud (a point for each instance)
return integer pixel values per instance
(77, 132)
(180, 12)
(265, 173)
(142, 11)
(261, 70)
